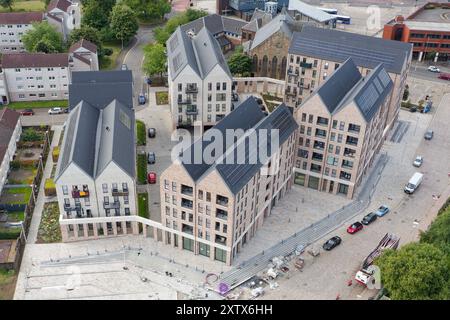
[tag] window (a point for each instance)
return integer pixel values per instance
(126, 200)
(220, 255)
(65, 190)
(326, 66)
(332, 161)
(180, 87)
(341, 125)
(224, 86)
(221, 96)
(166, 184)
(209, 86)
(218, 86)
(303, 117)
(105, 187)
(174, 186)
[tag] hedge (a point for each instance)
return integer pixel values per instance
(50, 188)
(55, 154)
(140, 133)
(142, 168)
(143, 205)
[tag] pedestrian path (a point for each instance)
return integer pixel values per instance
(37, 213)
(308, 235)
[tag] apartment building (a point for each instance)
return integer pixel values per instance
(95, 176)
(10, 131)
(342, 128)
(12, 26)
(315, 53)
(83, 56)
(200, 82)
(215, 207)
(65, 15)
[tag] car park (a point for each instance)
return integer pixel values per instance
(429, 135)
(355, 227)
(382, 210)
(332, 243)
(368, 219)
(433, 69)
(55, 110)
(151, 132)
(27, 112)
(151, 158)
(418, 161)
(151, 177)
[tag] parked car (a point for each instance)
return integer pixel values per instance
(151, 158)
(382, 211)
(332, 243)
(148, 80)
(151, 177)
(414, 183)
(429, 135)
(368, 219)
(66, 110)
(55, 110)
(355, 227)
(141, 99)
(151, 132)
(444, 76)
(433, 69)
(27, 112)
(418, 161)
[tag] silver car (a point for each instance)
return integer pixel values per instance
(418, 161)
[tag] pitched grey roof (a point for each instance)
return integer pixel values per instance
(346, 85)
(95, 137)
(279, 23)
(215, 24)
(201, 52)
(310, 11)
(333, 90)
(99, 88)
(246, 116)
(338, 46)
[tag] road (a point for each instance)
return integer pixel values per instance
(419, 70)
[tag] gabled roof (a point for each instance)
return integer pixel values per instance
(246, 116)
(59, 4)
(365, 51)
(346, 85)
(8, 123)
(201, 52)
(96, 137)
(99, 88)
(83, 44)
(215, 24)
(20, 17)
(34, 60)
(310, 11)
(279, 23)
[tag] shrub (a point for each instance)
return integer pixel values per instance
(50, 188)
(15, 164)
(140, 133)
(55, 154)
(107, 51)
(30, 134)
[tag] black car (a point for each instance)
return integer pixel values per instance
(332, 243)
(151, 132)
(368, 219)
(66, 110)
(151, 158)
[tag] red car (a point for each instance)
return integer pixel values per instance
(444, 76)
(354, 228)
(27, 112)
(151, 178)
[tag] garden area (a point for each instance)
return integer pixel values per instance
(49, 231)
(140, 133)
(162, 97)
(7, 284)
(271, 101)
(38, 104)
(108, 62)
(143, 205)
(141, 168)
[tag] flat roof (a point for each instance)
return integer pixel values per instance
(432, 15)
(425, 25)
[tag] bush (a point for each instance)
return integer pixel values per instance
(162, 98)
(55, 154)
(107, 51)
(30, 134)
(15, 165)
(49, 230)
(50, 188)
(140, 133)
(142, 168)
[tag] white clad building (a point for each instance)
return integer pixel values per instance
(12, 26)
(10, 131)
(200, 82)
(65, 15)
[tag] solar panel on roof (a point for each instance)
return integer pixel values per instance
(378, 85)
(174, 42)
(69, 137)
(384, 77)
(367, 100)
(177, 61)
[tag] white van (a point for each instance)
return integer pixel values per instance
(414, 183)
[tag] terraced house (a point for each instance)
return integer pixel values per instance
(342, 128)
(215, 207)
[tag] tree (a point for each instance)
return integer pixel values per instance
(149, 9)
(406, 93)
(239, 63)
(418, 271)
(155, 59)
(43, 38)
(124, 24)
(87, 33)
(7, 4)
(438, 233)
(96, 13)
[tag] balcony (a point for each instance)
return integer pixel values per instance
(221, 214)
(289, 93)
(317, 157)
(186, 190)
(321, 133)
(69, 208)
(345, 176)
(186, 203)
(191, 89)
(117, 193)
(222, 201)
(111, 205)
(187, 229)
(306, 65)
(191, 110)
(352, 141)
(221, 240)
(76, 194)
(349, 153)
(185, 101)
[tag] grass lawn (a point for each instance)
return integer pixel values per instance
(25, 191)
(162, 98)
(38, 104)
(26, 5)
(109, 63)
(7, 284)
(140, 133)
(142, 168)
(16, 216)
(143, 205)
(49, 231)
(270, 105)
(10, 233)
